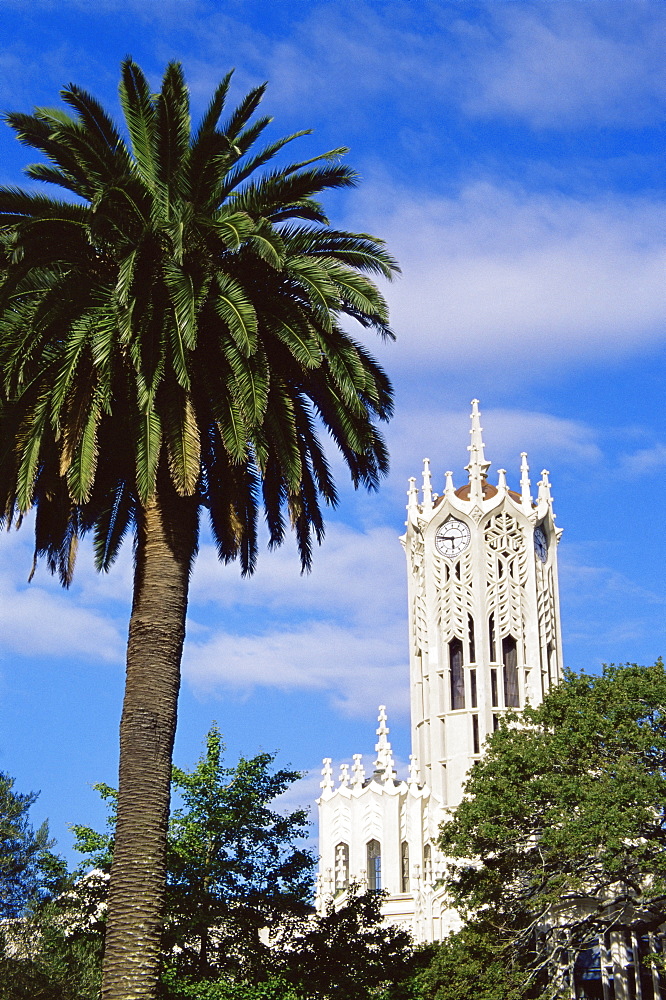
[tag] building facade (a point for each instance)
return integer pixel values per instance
(485, 638)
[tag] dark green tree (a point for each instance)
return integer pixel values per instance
(234, 867)
(171, 342)
(348, 953)
(29, 871)
(561, 836)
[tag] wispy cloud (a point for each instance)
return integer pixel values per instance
(354, 667)
(533, 61)
(522, 282)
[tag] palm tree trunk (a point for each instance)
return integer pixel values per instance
(166, 544)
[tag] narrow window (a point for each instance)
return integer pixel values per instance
(475, 734)
(457, 674)
(472, 688)
(472, 644)
(495, 723)
(341, 867)
(491, 637)
(493, 687)
(427, 863)
(404, 867)
(510, 660)
(374, 852)
(549, 655)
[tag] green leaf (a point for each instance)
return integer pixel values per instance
(237, 312)
(148, 447)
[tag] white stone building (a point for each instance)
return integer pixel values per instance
(484, 631)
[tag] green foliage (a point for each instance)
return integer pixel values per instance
(239, 920)
(476, 964)
(29, 871)
(348, 953)
(564, 818)
(175, 987)
(233, 867)
(43, 958)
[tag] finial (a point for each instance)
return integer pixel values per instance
(412, 496)
(525, 495)
(427, 485)
(477, 466)
(544, 487)
(384, 762)
(501, 480)
(448, 489)
(358, 771)
(327, 775)
(344, 775)
(413, 770)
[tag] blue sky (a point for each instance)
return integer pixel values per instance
(512, 155)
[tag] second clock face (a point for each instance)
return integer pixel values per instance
(452, 537)
(541, 544)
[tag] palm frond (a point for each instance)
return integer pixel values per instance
(139, 110)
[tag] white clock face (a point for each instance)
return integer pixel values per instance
(541, 544)
(452, 537)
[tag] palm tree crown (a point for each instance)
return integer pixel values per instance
(170, 339)
(180, 311)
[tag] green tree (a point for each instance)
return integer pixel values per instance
(29, 872)
(233, 864)
(170, 340)
(562, 832)
(348, 953)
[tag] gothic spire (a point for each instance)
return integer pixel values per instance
(384, 763)
(478, 466)
(544, 487)
(525, 495)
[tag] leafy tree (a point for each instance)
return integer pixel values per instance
(29, 871)
(348, 953)
(562, 832)
(234, 870)
(477, 964)
(170, 340)
(43, 957)
(233, 867)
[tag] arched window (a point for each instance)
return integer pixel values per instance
(404, 867)
(374, 852)
(457, 674)
(510, 660)
(341, 867)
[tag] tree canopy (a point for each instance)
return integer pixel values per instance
(562, 832)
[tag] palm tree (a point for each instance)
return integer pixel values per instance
(170, 342)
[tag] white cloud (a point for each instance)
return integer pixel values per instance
(567, 63)
(35, 622)
(355, 667)
(517, 282)
(643, 461)
(342, 583)
(40, 618)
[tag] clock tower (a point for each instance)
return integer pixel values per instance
(484, 640)
(483, 611)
